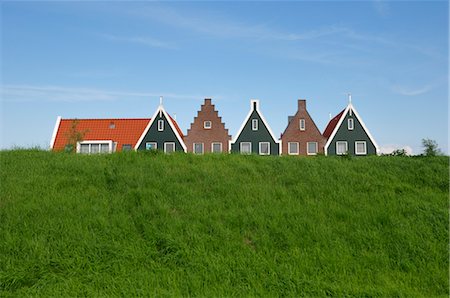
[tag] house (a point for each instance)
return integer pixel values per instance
(207, 133)
(301, 136)
(161, 133)
(255, 135)
(346, 133)
(97, 135)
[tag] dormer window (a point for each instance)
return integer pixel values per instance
(302, 124)
(160, 125)
(207, 124)
(350, 124)
(255, 124)
(112, 125)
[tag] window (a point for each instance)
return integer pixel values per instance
(104, 148)
(126, 147)
(198, 148)
(341, 148)
(216, 147)
(311, 148)
(112, 125)
(207, 124)
(360, 148)
(151, 146)
(246, 148)
(302, 124)
(84, 148)
(255, 124)
(92, 147)
(169, 147)
(160, 125)
(350, 124)
(264, 148)
(293, 148)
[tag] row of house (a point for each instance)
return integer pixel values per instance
(346, 133)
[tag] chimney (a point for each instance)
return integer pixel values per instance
(254, 104)
(302, 104)
(207, 101)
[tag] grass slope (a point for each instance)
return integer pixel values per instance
(222, 225)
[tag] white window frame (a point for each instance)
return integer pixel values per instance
(350, 124)
(206, 126)
(203, 148)
(160, 125)
(254, 124)
(289, 148)
(212, 147)
(268, 147)
(155, 147)
(96, 142)
(302, 124)
(365, 148)
(169, 143)
(240, 148)
(346, 147)
(307, 148)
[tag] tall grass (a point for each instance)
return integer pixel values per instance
(136, 224)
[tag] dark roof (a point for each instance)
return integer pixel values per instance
(332, 124)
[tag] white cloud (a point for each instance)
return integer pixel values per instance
(411, 91)
(389, 148)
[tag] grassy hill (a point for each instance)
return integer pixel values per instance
(222, 225)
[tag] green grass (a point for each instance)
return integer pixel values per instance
(137, 224)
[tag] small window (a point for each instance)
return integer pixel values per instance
(169, 147)
(151, 146)
(126, 147)
(112, 125)
(207, 125)
(311, 148)
(84, 148)
(302, 124)
(246, 148)
(341, 148)
(198, 148)
(293, 148)
(160, 125)
(95, 148)
(104, 148)
(216, 147)
(255, 124)
(350, 124)
(360, 148)
(264, 148)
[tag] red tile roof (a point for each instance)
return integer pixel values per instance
(122, 131)
(177, 127)
(332, 124)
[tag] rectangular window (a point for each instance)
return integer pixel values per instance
(311, 148)
(126, 147)
(350, 124)
(360, 148)
(302, 124)
(169, 147)
(207, 124)
(264, 148)
(160, 125)
(198, 148)
(104, 148)
(341, 148)
(293, 148)
(216, 147)
(246, 148)
(84, 148)
(93, 147)
(151, 146)
(255, 124)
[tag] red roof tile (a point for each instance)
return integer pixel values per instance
(332, 124)
(177, 127)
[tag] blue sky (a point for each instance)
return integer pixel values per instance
(114, 59)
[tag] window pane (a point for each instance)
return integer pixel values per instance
(246, 148)
(312, 147)
(104, 148)
(217, 148)
(198, 148)
(264, 148)
(207, 124)
(255, 124)
(160, 125)
(350, 124)
(170, 147)
(126, 147)
(302, 124)
(341, 147)
(293, 148)
(84, 148)
(95, 148)
(360, 147)
(150, 146)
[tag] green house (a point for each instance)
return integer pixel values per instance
(255, 135)
(346, 133)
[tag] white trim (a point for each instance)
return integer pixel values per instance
(307, 148)
(336, 128)
(203, 148)
(260, 143)
(169, 120)
(90, 142)
(240, 148)
(212, 147)
(352, 122)
(170, 143)
(210, 124)
(289, 148)
(55, 131)
(365, 148)
(156, 145)
(160, 125)
(346, 147)
(300, 124)
(255, 124)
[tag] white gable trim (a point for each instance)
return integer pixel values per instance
(169, 120)
(352, 109)
(55, 131)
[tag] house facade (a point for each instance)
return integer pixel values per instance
(255, 135)
(301, 136)
(207, 134)
(346, 133)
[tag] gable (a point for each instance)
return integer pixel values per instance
(292, 131)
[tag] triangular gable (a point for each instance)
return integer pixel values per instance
(343, 114)
(174, 126)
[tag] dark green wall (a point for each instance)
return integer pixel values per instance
(351, 136)
(160, 137)
(260, 135)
